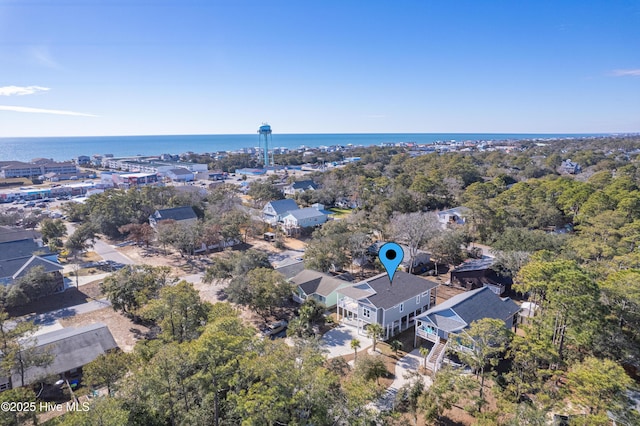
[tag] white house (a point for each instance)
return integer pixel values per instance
(454, 216)
(303, 218)
(274, 211)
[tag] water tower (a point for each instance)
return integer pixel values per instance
(264, 134)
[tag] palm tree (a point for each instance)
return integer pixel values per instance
(396, 345)
(375, 331)
(424, 352)
(355, 344)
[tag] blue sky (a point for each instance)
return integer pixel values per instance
(128, 67)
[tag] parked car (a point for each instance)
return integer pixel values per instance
(275, 328)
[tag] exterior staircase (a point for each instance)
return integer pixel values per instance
(434, 359)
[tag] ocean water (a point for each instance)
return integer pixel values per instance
(66, 148)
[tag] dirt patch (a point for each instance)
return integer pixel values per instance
(444, 293)
(73, 296)
(124, 331)
(213, 292)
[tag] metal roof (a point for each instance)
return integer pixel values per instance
(70, 347)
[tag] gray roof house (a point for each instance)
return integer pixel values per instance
(317, 285)
(393, 306)
(274, 211)
(303, 218)
(444, 323)
(300, 186)
(179, 214)
(71, 348)
(17, 258)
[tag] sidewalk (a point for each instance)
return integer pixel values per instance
(405, 365)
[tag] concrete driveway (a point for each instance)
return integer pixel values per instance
(338, 341)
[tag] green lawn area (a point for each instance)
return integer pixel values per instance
(339, 213)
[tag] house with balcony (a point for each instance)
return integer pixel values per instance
(393, 306)
(442, 325)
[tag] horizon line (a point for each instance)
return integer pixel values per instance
(332, 133)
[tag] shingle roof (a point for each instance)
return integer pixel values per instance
(8, 234)
(306, 213)
(71, 348)
(283, 206)
(382, 294)
(291, 269)
(176, 213)
(35, 261)
(304, 184)
(405, 286)
(470, 306)
(20, 248)
(316, 282)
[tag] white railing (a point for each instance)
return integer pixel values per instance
(425, 334)
(438, 362)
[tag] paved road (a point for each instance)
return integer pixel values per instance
(108, 252)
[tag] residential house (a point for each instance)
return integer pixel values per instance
(18, 257)
(348, 203)
(570, 167)
(294, 220)
(70, 348)
(317, 285)
(454, 216)
(445, 323)
(290, 268)
(393, 306)
(180, 175)
(179, 214)
(476, 273)
(274, 211)
(300, 186)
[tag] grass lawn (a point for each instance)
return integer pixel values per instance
(340, 213)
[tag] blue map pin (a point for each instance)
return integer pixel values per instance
(391, 255)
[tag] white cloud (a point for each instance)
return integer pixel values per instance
(43, 111)
(626, 73)
(21, 90)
